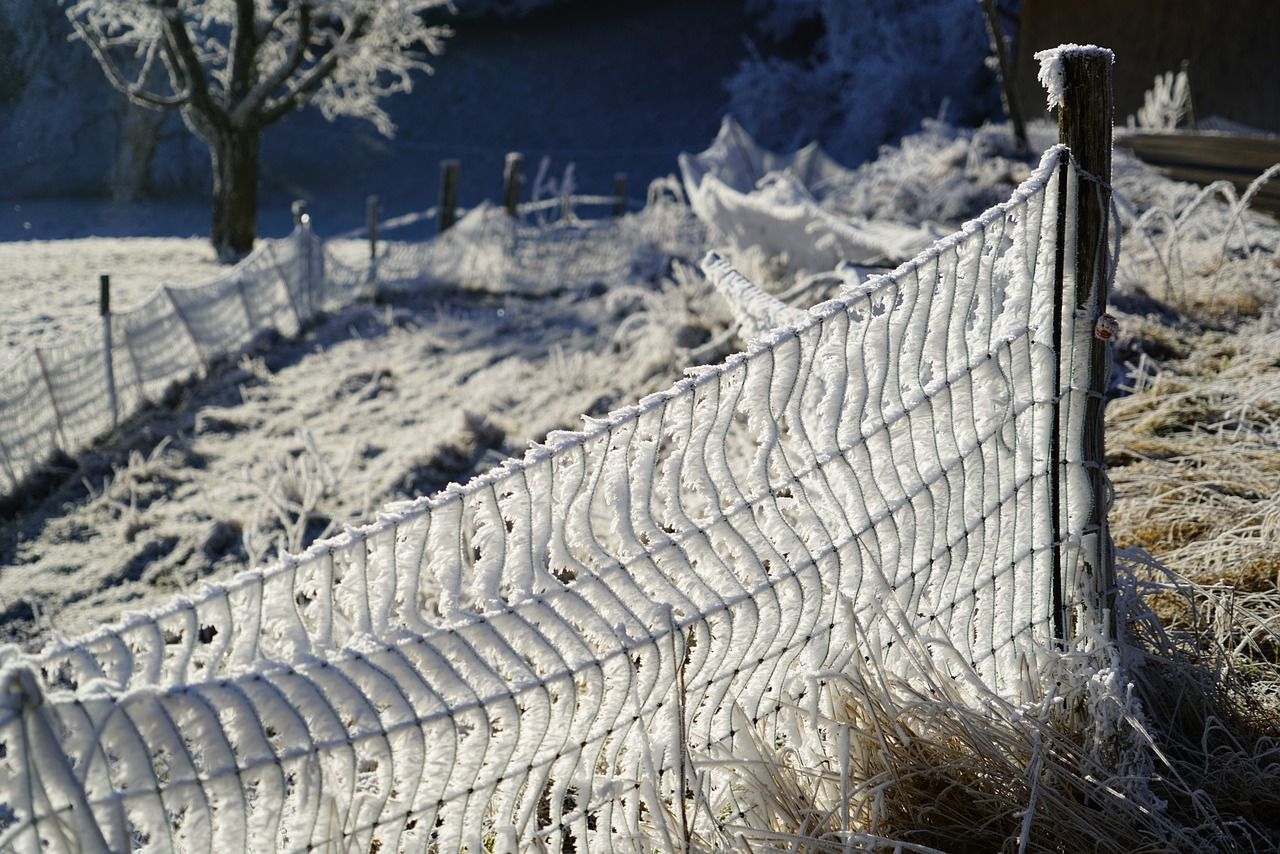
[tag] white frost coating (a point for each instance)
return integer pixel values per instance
(755, 309)
(753, 197)
(497, 666)
(1052, 77)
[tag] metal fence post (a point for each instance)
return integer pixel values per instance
(104, 311)
(1085, 126)
(448, 193)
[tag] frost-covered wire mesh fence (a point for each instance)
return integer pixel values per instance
(56, 397)
(528, 659)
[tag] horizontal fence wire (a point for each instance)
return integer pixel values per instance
(528, 660)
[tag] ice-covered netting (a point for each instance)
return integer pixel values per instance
(527, 659)
(489, 250)
(60, 397)
(756, 199)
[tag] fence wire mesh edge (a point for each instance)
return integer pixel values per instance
(512, 645)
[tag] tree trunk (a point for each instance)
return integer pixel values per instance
(235, 192)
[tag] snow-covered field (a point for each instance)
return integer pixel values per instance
(49, 288)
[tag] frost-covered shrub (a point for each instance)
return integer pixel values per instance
(940, 174)
(879, 66)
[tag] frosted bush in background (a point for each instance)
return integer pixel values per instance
(878, 67)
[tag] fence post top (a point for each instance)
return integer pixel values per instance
(1053, 62)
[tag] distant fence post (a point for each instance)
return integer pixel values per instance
(371, 212)
(512, 182)
(1085, 126)
(448, 193)
(302, 224)
(619, 193)
(104, 311)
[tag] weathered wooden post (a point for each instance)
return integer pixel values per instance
(619, 193)
(1084, 103)
(512, 182)
(372, 210)
(448, 193)
(104, 311)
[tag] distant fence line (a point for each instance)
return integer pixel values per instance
(532, 659)
(60, 397)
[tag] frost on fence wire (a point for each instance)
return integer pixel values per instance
(489, 250)
(528, 658)
(55, 397)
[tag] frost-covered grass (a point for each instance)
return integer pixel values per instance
(374, 404)
(1182, 758)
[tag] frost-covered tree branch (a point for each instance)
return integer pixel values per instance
(235, 67)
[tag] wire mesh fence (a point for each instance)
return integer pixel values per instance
(528, 659)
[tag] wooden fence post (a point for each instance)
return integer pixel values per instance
(1085, 125)
(512, 182)
(104, 311)
(619, 193)
(302, 224)
(448, 193)
(372, 210)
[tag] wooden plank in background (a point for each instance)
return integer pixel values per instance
(1230, 46)
(1205, 157)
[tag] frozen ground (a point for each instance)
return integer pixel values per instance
(373, 404)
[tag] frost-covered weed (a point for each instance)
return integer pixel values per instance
(293, 489)
(1203, 252)
(1165, 104)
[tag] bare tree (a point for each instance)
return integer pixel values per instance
(235, 67)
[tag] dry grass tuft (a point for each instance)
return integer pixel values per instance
(1194, 455)
(1181, 754)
